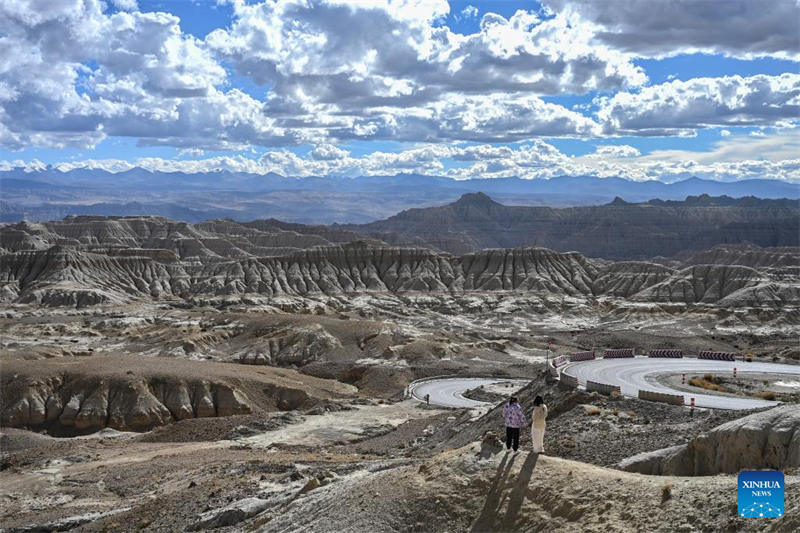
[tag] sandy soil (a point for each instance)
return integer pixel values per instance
(168, 487)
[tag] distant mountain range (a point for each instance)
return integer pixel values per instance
(51, 194)
(618, 230)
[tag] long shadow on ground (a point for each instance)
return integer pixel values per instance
(492, 518)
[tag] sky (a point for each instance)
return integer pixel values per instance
(641, 89)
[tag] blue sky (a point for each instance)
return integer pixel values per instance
(648, 89)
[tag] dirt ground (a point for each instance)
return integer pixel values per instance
(786, 389)
(170, 486)
(353, 455)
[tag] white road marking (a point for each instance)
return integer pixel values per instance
(640, 373)
(448, 392)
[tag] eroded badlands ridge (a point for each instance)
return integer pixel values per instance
(131, 393)
(66, 276)
(82, 261)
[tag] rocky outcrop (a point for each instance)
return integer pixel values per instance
(86, 261)
(299, 345)
(62, 276)
(747, 255)
(765, 295)
(214, 239)
(701, 284)
(527, 269)
(73, 404)
(80, 395)
(232, 514)
(355, 267)
(68, 523)
(66, 276)
(766, 440)
(325, 233)
(627, 278)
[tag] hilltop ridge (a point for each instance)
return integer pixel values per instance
(619, 230)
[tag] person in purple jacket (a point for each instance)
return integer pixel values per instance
(514, 417)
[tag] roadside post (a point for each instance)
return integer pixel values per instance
(547, 357)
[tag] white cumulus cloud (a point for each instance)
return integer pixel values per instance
(614, 150)
(659, 28)
(680, 107)
(729, 159)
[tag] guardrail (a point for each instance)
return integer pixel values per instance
(717, 356)
(662, 397)
(676, 354)
(582, 356)
(556, 362)
(618, 354)
(602, 388)
(629, 353)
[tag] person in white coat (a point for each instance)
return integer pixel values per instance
(539, 424)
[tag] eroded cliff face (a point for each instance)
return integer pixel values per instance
(767, 440)
(300, 345)
(354, 267)
(85, 261)
(134, 393)
(525, 269)
(747, 255)
(702, 284)
(206, 241)
(64, 276)
(627, 278)
(68, 277)
(75, 405)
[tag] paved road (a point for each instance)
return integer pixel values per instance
(641, 372)
(448, 392)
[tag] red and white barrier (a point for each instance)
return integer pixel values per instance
(618, 354)
(561, 360)
(717, 356)
(582, 356)
(667, 353)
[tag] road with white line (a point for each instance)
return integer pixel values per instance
(640, 373)
(448, 392)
